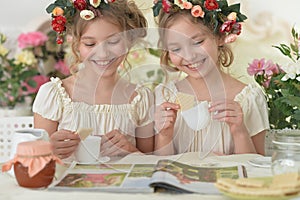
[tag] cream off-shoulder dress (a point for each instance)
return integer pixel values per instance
(53, 102)
(215, 136)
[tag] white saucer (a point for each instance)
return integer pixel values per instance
(264, 162)
(99, 161)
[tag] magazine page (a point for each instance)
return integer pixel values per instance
(107, 177)
(178, 177)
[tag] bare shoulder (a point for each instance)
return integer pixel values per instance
(234, 86)
(127, 90)
(68, 84)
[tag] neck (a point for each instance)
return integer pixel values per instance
(212, 83)
(100, 81)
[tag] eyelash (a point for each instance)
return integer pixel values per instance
(114, 41)
(198, 42)
(90, 45)
(175, 50)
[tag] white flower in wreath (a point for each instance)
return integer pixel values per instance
(95, 3)
(87, 14)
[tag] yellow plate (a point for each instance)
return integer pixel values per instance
(255, 197)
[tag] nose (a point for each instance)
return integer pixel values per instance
(101, 51)
(189, 54)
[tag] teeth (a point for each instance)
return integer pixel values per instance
(102, 62)
(197, 64)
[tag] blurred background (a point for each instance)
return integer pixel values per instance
(269, 23)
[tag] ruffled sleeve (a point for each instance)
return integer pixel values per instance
(254, 105)
(143, 106)
(49, 100)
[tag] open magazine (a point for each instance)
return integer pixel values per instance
(166, 175)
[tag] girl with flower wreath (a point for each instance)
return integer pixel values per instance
(95, 96)
(207, 111)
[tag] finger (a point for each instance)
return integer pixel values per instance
(169, 113)
(64, 152)
(61, 136)
(108, 151)
(169, 105)
(66, 143)
(116, 150)
(111, 133)
(225, 113)
(106, 145)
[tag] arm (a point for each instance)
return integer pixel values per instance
(145, 143)
(64, 142)
(231, 112)
(165, 118)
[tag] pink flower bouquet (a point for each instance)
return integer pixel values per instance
(281, 84)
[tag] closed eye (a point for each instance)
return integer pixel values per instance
(89, 44)
(113, 41)
(174, 49)
(198, 42)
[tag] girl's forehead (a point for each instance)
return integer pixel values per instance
(181, 34)
(184, 27)
(101, 27)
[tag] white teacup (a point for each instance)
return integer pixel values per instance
(198, 117)
(88, 150)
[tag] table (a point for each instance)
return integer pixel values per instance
(9, 189)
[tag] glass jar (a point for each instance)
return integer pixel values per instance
(286, 155)
(34, 164)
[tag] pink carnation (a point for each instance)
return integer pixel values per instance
(62, 67)
(32, 39)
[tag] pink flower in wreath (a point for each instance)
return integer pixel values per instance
(187, 5)
(197, 11)
(32, 39)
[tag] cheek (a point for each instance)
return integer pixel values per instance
(175, 58)
(118, 50)
(84, 52)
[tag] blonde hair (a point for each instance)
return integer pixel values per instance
(122, 13)
(165, 20)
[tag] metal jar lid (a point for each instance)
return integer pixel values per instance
(289, 137)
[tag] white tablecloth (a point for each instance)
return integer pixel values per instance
(9, 189)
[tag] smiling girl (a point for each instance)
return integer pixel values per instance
(95, 96)
(224, 115)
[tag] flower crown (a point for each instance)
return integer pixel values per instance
(215, 13)
(63, 11)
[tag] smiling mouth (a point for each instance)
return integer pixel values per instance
(196, 64)
(103, 63)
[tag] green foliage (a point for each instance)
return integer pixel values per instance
(283, 91)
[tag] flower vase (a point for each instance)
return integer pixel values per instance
(269, 148)
(270, 136)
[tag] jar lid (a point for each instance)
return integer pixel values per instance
(287, 136)
(33, 154)
(34, 148)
